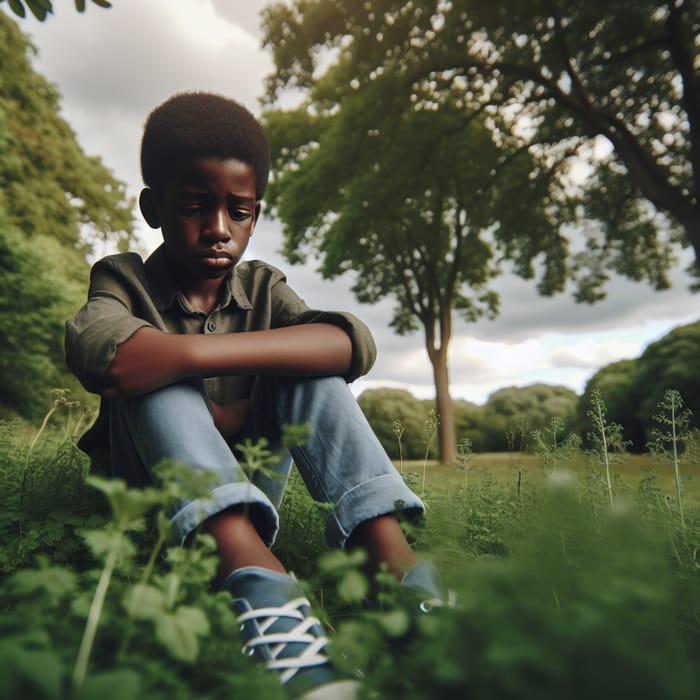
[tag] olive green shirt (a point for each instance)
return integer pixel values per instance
(127, 293)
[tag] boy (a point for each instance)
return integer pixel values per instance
(193, 350)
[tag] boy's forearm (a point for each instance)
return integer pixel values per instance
(307, 350)
(150, 358)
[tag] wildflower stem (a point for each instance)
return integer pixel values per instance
(676, 465)
(88, 640)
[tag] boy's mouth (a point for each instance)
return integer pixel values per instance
(216, 258)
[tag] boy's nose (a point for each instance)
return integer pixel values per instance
(217, 227)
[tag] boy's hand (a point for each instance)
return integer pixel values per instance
(229, 418)
(148, 360)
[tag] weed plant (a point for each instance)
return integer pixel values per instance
(557, 594)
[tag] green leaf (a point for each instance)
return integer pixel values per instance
(101, 542)
(38, 8)
(103, 685)
(394, 622)
(145, 602)
(40, 669)
(179, 632)
(128, 504)
(102, 3)
(17, 7)
(353, 586)
(80, 5)
(334, 561)
(54, 581)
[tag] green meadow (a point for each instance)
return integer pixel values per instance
(555, 591)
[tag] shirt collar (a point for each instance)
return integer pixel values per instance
(164, 289)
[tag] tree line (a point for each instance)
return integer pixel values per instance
(631, 390)
(56, 203)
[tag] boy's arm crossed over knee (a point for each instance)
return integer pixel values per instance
(151, 358)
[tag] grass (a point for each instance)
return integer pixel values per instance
(509, 468)
(558, 594)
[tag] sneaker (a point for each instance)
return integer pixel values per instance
(424, 580)
(419, 592)
(277, 628)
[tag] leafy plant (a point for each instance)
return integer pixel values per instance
(672, 436)
(606, 438)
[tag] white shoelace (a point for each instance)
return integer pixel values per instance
(277, 641)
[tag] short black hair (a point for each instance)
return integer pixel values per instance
(200, 125)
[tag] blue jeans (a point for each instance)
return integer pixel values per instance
(342, 463)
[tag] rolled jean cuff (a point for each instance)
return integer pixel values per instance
(380, 495)
(262, 513)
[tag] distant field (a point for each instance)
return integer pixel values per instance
(508, 467)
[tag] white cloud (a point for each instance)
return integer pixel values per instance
(592, 354)
(204, 28)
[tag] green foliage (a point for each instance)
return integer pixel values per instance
(505, 422)
(617, 382)
(91, 601)
(668, 364)
(511, 414)
(384, 406)
(634, 388)
(556, 595)
(672, 437)
(55, 204)
(554, 447)
(48, 186)
(32, 311)
(557, 83)
(608, 446)
(41, 9)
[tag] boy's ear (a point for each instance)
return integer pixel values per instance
(148, 203)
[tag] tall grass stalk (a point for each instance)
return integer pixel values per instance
(93, 620)
(600, 426)
(431, 426)
(59, 402)
(398, 430)
(676, 464)
(464, 458)
(129, 507)
(607, 437)
(677, 421)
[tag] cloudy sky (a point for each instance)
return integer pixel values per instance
(113, 66)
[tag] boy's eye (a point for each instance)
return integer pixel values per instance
(239, 214)
(191, 208)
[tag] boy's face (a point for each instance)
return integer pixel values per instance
(206, 213)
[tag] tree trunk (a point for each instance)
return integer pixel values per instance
(447, 439)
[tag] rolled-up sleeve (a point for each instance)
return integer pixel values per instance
(289, 310)
(106, 320)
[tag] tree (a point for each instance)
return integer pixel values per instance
(408, 198)
(395, 414)
(41, 9)
(55, 203)
(36, 299)
(48, 185)
(615, 83)
(511, 414)
(633, 389)
(619, 388)
(669, 364)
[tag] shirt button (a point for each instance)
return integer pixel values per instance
(211, 325)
